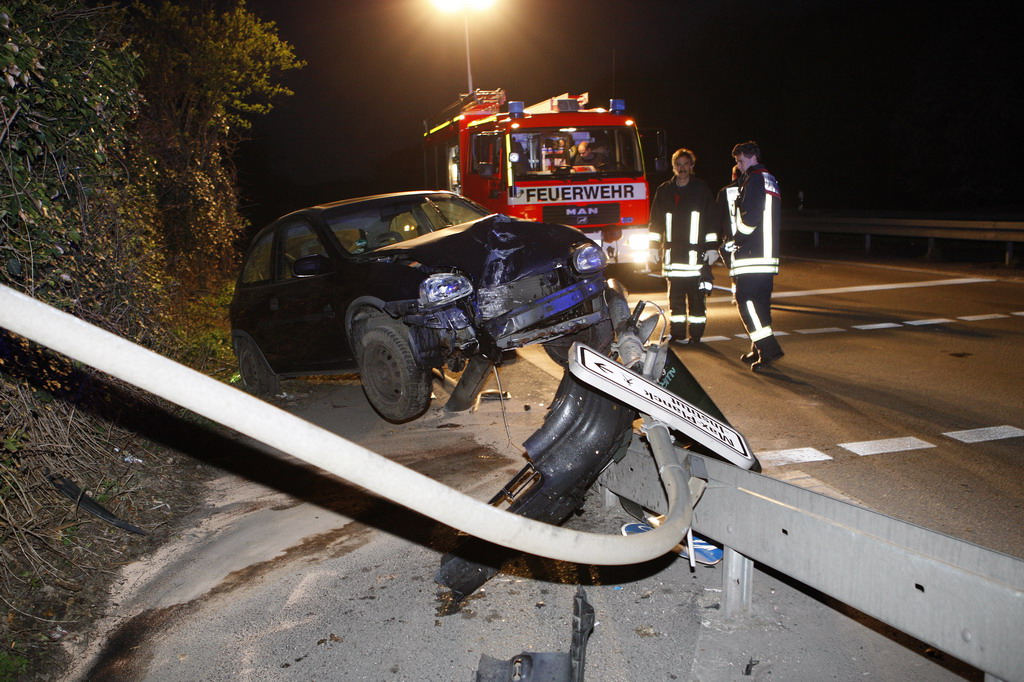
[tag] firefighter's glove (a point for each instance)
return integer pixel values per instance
(710, 256)
(731, 246)
(654, 256)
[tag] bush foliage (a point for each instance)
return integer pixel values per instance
(118, 205)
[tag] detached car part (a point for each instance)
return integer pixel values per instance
(582, 432)
(586, 429)
(547, 667)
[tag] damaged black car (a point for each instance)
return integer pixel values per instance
(401, 287)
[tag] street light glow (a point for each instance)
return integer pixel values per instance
(456, 5)
(464, 6)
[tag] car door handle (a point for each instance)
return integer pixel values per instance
(274, 304)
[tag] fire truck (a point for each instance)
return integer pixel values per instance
(556, 161)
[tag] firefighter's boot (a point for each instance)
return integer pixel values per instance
(769, 352)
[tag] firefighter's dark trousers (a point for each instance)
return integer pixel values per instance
(754, 300)
(688, 306)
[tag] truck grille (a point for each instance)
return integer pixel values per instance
(579, 215)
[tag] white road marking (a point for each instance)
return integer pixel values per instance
(880, 287)
(986, 434)
(792, 456)
(878, 325)
(803, 480)
(1019, 312)
(936, 320)
(820, 330)
(710, 339)
(979, 318)
(879, 447)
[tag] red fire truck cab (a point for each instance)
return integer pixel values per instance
(553, 162)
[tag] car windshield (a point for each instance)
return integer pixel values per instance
(598, 151)
(364, 227)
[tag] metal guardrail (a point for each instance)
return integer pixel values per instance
(1006, 231)
(959, 597)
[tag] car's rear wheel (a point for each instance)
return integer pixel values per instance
(394, 385)
(257, 377)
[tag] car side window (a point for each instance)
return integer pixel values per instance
(352, 239)
(257, 265)
(296, 240)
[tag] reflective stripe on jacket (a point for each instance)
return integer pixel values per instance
(757, 218)
(682, 225)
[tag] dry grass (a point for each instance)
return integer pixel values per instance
(59, 419)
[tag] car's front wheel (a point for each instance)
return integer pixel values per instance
(257, 377)
(394, 385)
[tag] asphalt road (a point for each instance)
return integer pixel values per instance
(899, 390)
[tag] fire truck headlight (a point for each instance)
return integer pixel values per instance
(444, 288)
(638, 246)
(588, 258)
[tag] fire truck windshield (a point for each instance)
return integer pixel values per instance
(593, 151)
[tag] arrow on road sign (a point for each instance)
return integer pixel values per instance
(625, 385)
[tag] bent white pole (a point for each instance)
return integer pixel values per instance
(275, 427)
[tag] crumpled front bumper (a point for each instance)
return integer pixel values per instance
(525, 324)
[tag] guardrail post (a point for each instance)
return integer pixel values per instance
(737, 583)
(867, 243)
(1009, 253)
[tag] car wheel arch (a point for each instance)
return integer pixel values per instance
(258, 377)
(358, 313)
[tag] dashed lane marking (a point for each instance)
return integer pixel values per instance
(886, 445)
(773, 460)
(878, 325)
(979, 318)
(792, 456)
(808, 482)
(986, 434)
(820, 330)
(937, 320)
(856, 289)
(747, 338)
(881, 287)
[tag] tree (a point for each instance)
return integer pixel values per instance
(115, 163)
(208, 73)
(70, 215)
(75, 221)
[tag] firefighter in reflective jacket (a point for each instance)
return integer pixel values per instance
(754, 253)
(684, 243)
(726, 215)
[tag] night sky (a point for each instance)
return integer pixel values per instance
(860, 105)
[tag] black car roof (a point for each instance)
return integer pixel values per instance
(380, 197)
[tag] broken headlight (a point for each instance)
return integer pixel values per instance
(588, 258)
(444, 288)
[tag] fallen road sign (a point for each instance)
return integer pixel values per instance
(623, 384)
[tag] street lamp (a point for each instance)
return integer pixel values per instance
(464, 6)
